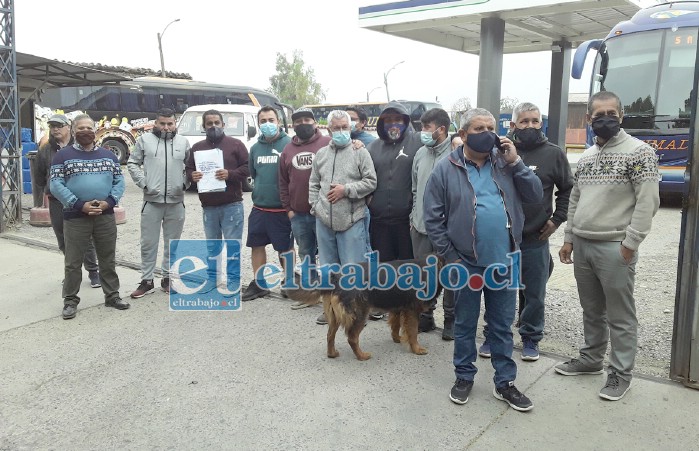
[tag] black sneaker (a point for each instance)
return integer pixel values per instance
(69, 311)
(460, 391)
(165, 284)
(94, 279)
(513, 397)
(253, 291)
(376, 315)
(426, 324)
(144, 288)
(118, 304)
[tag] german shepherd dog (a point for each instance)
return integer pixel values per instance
(350, 309)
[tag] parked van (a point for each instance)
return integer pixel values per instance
(240, 123)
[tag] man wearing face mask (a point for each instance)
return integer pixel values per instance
(436, 145)
(87, 180)
(615, 196)
(156, 165)
(295, 167)
(268, 222)
(60, 137)
(359, 120)
(222, 211)
(473, 215)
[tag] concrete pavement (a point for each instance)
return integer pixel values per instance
(259, 379)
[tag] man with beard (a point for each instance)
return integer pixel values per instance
(60, 137)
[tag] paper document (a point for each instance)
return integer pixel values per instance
(208, 162)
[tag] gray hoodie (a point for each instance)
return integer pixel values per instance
(343, 166)
(162, 177)
(425, 160)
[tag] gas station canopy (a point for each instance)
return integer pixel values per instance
(530, 25)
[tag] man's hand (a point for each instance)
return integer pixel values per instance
(566, 253)
(221, 174)
(627, 254)
(456, 142)
(336, 193)
(196, 176)
(291, 214)
(93, 207)
(547, 230)
(357, 144)
(510, 154)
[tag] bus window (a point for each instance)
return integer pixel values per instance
(107, 99)
(129, 101)
(149, 100)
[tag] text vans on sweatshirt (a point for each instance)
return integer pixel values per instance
(346, 166)
(393, 161)
(295, 167)
(156, 166)
(425, 160)
(235, 160)
(264, 170)
(615, 193)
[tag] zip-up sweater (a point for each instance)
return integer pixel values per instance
(450, 203)
(393, 162)
(551, 165)
(235, 160)
(264, 169)
(425, 160)
(295, 167)
(79, 176)
(341, 166)
(615, 193)
(156, 166)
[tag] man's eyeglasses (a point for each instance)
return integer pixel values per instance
(54, 125)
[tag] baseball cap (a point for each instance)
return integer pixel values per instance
(59, 119)
(302, 112)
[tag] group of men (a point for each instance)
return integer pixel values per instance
(474, 198)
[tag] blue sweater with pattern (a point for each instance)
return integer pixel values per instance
(79, 176)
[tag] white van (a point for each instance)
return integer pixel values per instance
(240, 120)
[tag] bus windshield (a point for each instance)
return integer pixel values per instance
(652, 72)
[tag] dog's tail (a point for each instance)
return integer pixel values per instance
(309, 297)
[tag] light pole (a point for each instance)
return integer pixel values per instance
(369, 92)
(385, 80)
(160, 47)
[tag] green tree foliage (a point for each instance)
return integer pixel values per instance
(294, 83)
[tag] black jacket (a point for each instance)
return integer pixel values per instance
(41, 174)
(392, 201)
(550, 163)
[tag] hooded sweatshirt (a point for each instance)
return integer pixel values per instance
(393, 161)
(425, 160)
(615, 193)
(162, 177)
(341, 166)
(295, 171)
(550, 164)
(264, 169)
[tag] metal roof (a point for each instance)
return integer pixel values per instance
(530, 25)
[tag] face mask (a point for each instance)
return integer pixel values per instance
(164, 135)
(427, 138)
(269, 129)
(214, 134)
(341, 138)
(85, 137)
(527, 138)
(304, 131)
(481, 142)
(606, 126)
(353, 126)
(394, 131)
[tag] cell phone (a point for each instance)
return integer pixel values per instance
(95, 204)
(498, 144)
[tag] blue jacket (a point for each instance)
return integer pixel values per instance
(450, 203)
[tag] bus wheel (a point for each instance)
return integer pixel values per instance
(119, 148)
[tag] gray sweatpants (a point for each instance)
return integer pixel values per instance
(155, 215)
(605, 286)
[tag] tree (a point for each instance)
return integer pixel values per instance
(458, 108)
(294, 83)
(507, 104)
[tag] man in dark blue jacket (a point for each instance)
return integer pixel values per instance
(473, 216)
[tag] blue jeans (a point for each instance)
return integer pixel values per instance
(303, 226)
(536, 263)
(500, 308)
(367, 222)
(341, 247)
(224, 221)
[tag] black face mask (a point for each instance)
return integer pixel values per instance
(527, 138)
(215, 134)
(164, 135)
(482, 142)
(606, 127)
(304, 131)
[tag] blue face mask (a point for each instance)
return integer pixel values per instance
(427, 139)
(269, 129)
(482, 142)
(394, 131)
(341, 138)
(353, 126)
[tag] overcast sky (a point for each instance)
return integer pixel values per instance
(235, 42)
